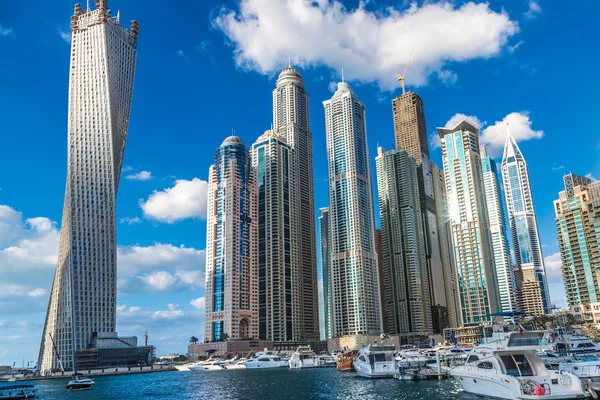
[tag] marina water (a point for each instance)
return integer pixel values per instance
(274, 384)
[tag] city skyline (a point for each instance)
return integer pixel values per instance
(151, 261)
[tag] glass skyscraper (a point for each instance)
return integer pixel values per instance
(231, 245)
(82, 302)
(405, 276)
(353, 260)
(326, 270)
(507, 288)
(531, 273)
(278, 266)
(465, 190)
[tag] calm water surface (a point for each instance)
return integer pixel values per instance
(274, 384)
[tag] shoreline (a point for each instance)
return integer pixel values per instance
(94, 373)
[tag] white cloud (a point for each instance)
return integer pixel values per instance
(130, 221)
(159, 281)
(66, 36)
(199, 303)
(534, 9)
(553, 265)
(140, 176)
(187, 199)
(37, 292)
(160, 267)
(324, 32)
(515, 46)
(171, 313)
(519, 124)
(494, 136)
(592, 177)
(558, 168)
(7, 32)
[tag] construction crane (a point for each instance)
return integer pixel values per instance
(401, 77)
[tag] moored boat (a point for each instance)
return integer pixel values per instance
(264, 360)
(304, 357)
(344, 361)
(17, 392)
(376, 361)
(506, 366)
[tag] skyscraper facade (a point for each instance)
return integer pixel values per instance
(571, 181)
(278, 266)
(465, 191)
(531, 273)
(411, 135)
(355, 287)
(326, 270)
(578, 224)
(231, 309)
(83, 297)
(446, 248)
(291, 121)
(507, 288)
(405, 279)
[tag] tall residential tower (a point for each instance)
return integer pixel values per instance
(471, 237)
(405, 277)
(231, 245)
(507, 288)
(411, 135)
(278, 271)
(83, 299)
(530, 271)
(353, 260)
(291, 121)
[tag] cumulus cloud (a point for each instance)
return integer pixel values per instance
(199, 303)
(160, 268)
(533, 10)
(553, 265)
(324, 32)
(494, 136)
(140, 176)
(592, 177)
(187, 199)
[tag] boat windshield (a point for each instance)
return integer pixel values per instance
(380, 357)
(517, 365)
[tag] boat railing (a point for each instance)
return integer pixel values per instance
(585, 370)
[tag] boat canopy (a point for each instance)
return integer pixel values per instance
(13, 387)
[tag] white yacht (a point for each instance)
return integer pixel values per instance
(304, 357)
(219, 365)
(571, 344)
(506, 366)
(328, 360)
(585, 366)
(237, 364)
(411, 358)
(265, 359)
(199, 365)
(376, 361)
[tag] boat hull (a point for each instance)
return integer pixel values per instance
(345, 365)
(498, 386)
(78, 387)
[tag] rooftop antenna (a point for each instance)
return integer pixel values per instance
(88, 6)
(118, 16)
(399, 77)
(232, 131)
(343, 75)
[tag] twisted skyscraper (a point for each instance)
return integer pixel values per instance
(83, 298)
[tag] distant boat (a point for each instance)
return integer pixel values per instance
(344, 361)
(17, 392)
(265, 359)
(80, 383)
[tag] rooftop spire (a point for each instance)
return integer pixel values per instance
(289, 62)
(343, 75)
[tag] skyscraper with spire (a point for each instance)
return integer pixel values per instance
(83, 298)
(291, 121)
(507, 288)
(530, 271)
(353, 259)
(465, 190)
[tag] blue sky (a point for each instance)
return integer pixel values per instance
(205, 68)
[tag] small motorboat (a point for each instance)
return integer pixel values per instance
(17, 392)
(80, 382)
(376, 361)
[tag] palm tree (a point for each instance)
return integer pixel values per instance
(193, 340)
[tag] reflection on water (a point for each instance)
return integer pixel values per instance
(272, 384)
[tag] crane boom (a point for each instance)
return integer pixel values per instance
(399, 77)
